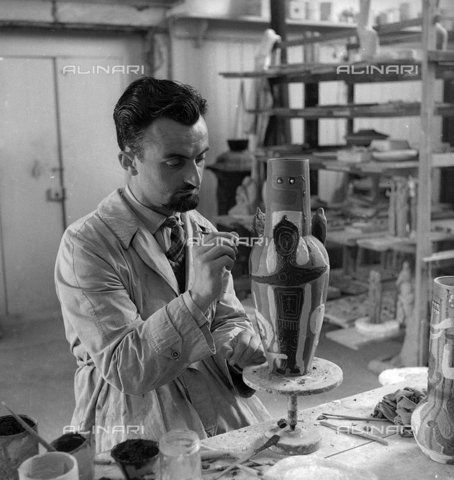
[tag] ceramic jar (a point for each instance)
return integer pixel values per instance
(179, 456)
(289, 269)
(16, 445)
(433, 419)
(82, 448)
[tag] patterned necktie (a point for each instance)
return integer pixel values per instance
(175, 253)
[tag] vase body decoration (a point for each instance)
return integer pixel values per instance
(289, 269)
(433, 419)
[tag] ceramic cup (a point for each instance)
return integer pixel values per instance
(82, 449)
(50, 466)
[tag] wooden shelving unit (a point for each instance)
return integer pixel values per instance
(396, 70)
(391, 109)
(199, 26)
(434, 64)
(260, 23)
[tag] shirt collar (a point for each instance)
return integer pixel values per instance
(150, 218)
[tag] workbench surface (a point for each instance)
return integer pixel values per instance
(401, 459)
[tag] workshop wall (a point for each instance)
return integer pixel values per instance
(54, 120)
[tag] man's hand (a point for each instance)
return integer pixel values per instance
(211, 259)
(245, 349)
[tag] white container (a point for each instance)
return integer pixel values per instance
(50, 466)
(313, 10)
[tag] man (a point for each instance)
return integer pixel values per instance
(151, 317)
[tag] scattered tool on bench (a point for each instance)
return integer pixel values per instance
(272, 441)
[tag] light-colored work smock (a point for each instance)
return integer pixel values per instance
(148, 359)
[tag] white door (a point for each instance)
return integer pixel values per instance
(58, 153)
(29, 162)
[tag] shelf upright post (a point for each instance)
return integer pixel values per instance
(279, 128)
(423, 244)
(311, 97)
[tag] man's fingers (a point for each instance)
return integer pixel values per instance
(227, 351)
(228, 263)
(245, 349)
(258, 358)
(227, 235)
(216, 239)
(222, 256)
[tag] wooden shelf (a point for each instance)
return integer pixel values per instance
(262, 22)
(198, 27)
(376, 110)
(439, 160)
(440, 256)
(441, 56)
(316, 163)
(383, 68)
(368, 168)
(386, 70)
(82, 26)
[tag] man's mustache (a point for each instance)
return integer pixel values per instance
(188, 189)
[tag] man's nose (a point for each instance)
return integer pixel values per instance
(193, 174)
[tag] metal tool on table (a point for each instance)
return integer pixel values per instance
(324, 416)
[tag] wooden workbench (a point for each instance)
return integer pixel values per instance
(402, 459)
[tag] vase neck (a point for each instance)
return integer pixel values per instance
(288, 194)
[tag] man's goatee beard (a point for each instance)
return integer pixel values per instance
(183, 204)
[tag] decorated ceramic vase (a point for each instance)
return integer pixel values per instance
(433, 419)
(289, 269)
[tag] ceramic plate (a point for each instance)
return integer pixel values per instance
(395, 155)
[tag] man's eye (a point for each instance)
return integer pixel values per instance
(174, 163)
(200, 159)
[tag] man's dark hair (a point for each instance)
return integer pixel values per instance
(148, 99)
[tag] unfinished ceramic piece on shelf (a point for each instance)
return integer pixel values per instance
(374, 325)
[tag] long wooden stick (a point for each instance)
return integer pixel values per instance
(30, 430)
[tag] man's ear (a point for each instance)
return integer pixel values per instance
(128, 161)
